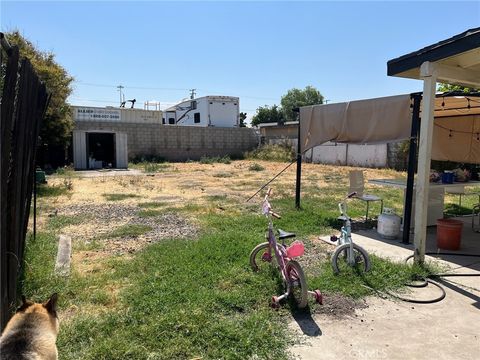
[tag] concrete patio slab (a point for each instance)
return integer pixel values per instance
(392, 329)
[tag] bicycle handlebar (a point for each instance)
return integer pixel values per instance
(275, 215)
(268, 208)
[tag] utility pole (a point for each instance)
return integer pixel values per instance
(120, 87)
(192, 94)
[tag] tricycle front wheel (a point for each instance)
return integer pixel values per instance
(340, 262)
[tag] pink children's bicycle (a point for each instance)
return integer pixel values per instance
(268, 252)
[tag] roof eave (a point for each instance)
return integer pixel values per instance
(403, 65)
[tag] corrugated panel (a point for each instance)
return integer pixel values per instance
(121, 150)
(79, 150)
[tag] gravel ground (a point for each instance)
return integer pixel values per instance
(102, 219)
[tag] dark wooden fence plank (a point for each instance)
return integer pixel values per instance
(24, 101)
(8, 109)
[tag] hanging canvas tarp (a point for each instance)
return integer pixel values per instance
(371, 121)
(457, 139)
(456, 134)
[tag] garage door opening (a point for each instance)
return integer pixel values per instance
(101, 150)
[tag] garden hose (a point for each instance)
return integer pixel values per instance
(427, 280)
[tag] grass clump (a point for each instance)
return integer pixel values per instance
(129, 230)
(67, 171)
(222, 174)
(151, 205)
(215, 159)
(119, 197)
(58, 222)
(44, 190)
(256, 167)
(150, 167)
(384, 276)
(272, 152)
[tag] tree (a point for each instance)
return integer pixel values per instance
(449, 87)
(296, 98)
(243, 117)
(58, 123)
(266, 114)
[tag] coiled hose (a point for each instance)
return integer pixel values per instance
(425, 281)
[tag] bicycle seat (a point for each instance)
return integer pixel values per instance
(284, 235)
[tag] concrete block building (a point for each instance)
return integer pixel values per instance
(111, 136)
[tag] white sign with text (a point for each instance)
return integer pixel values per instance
(96, 114)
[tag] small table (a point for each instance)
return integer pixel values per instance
(436, 196)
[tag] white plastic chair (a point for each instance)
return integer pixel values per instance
(460, 191)
(357, 184)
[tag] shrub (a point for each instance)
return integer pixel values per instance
(215, 159)
(272, 152)
(256, 167)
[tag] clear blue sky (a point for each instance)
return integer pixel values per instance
(255, 50)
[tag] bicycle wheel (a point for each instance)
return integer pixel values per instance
(297, 283)
(260, 258)
(340, 261)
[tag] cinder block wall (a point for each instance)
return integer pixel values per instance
(178, 143)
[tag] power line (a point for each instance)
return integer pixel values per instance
(170, 89)
(131, 87)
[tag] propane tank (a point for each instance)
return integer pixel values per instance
(389, 224)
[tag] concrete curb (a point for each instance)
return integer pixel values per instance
(62, 265)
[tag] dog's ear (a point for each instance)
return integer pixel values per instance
(25, 304)
(51, 304)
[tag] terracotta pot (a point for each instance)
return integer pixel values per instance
(449, 234)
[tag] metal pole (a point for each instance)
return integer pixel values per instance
(299, 163)
(412, 164)
(34, 203)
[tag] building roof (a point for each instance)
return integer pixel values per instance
(208, 97)
(460, 51)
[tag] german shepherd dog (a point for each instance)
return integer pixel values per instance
(32, 332)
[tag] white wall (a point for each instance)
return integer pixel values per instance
(353, 155)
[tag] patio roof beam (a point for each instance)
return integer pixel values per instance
(452, 74)
(429, 75)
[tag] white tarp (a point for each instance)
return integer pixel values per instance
(371, 121)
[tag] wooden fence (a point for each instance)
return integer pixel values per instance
(23, 104)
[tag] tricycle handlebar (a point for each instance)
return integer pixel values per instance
(352, 194)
